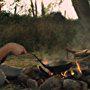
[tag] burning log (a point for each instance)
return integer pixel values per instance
(79, 53)
(58, 69)
(67, 70)
(55, 69)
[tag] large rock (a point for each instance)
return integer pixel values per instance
(53, 83)
(2, 77)
(69, 84)
(86, 79)
(56, 83)
(10, 71)
(83, 85)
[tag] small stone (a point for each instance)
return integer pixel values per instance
(32, 84)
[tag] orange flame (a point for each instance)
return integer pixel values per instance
(78, 67)
(64, 74)
(72, 72)
(45, 61)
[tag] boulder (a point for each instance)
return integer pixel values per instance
(69, 84)
(86, 79)
(2, 77)
(83, 85)
(53, 83)
(10, 71)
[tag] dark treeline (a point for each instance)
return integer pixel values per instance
(48, 32)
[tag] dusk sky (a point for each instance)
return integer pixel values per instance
(65, 6)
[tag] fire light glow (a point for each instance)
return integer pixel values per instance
(71, 71)
(64, 74)
(78, 67)
(45, 61)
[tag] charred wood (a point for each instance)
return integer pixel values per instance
(79, 53)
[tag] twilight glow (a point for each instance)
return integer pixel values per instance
(66, 8)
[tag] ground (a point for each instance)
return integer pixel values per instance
(21, 62)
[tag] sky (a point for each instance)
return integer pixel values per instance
(66, 6)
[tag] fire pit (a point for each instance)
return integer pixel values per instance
(65, 70)
(71, 75)
(60, 77)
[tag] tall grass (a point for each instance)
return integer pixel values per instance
(51, 32)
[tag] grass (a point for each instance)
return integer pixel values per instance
(25, 60)
(21, 61)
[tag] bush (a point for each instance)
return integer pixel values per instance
(42, 33)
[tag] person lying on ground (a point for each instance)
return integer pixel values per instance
(13, 48)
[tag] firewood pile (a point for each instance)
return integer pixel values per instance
(74, 74)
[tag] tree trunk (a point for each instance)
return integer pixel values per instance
(36, 11)
(32, 7)
(83, 11)
(43, 9)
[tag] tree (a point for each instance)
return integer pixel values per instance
(1, 4)
(36, 12)
(82, 8)
(16, 5)
(32, 8)
(43, 8)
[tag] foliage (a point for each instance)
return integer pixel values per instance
(51, 32)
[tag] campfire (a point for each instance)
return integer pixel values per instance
(70, 70)
(71, 73)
